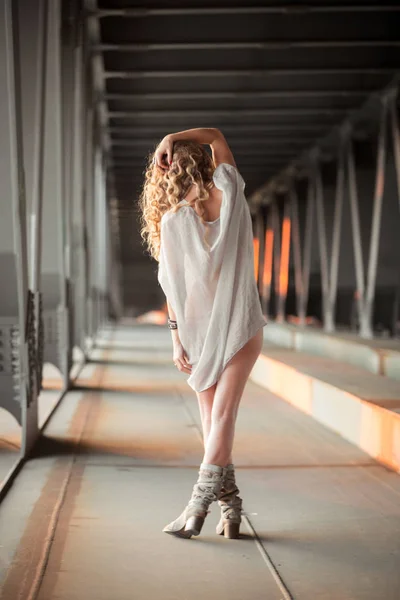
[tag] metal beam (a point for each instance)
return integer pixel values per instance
(245, 161)
(332, 137)
(269, 157)
(270, 94)
(123, 143)
(313, 129)
(249, 45)
(284, 259)
(394, 125)
(296, 247)
(38, 153)
(238, 10)
(256, 160)
(355, 227)
(18, 352)
(93, 31)
(276, 224)
(147, 74)
(366, 323)
(337, 231)
(269, 244)
(279, 140)
(264, 112)
(323, 249)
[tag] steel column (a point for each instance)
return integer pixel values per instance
(56, 314)
(89, 211)
(277, 252)
(336, 234)
(366, 289)
(323, 250)
(68, 82)
(284, 256)
(259, 234)
(356, 229)
(17, 335)
(77, 199)
(269, 243)
(308, 244)
(296, 244)
(33, 39)
(366, 320)
(394, 123)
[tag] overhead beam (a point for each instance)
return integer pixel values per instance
(129, 143)
(250, 45)
(239, 10)
(270, 158)
(122, 166)
(132, 153)
(264, 159)
(278, 95)
(312, 129)
(248, 142)
(257, 158)
(347, 124)
(147, 74)
(216, 113)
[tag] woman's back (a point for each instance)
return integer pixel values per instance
(212, 206)
(211, 287)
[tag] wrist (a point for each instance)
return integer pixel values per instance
(175, 335)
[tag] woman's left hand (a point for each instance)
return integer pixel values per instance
(180, 358)
(163, 150)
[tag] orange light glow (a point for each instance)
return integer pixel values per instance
(156, 317)
(267, 271)
(256, 249)
(372, 427)
(285, 252)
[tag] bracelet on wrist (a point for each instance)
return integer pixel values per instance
(172, 324)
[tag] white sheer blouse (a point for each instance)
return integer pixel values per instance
(211, 286)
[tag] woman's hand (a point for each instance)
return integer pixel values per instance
(163, 153)
(180, 358)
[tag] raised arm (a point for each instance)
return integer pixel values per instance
(220, 149)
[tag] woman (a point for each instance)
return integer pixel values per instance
(197, 225)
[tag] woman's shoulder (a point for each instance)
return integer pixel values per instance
(171, 215)
(166, 216)
(227, 173)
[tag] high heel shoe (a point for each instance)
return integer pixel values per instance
(205, 491)
(231, 506)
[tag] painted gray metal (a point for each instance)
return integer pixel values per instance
(55, 248)
(18, 372)
(366, 260)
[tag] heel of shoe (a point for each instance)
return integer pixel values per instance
(229, 529)
(194, 525)
(232, 530)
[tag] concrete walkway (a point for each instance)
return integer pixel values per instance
(84, 519)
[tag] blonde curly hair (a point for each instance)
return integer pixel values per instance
(164, 189)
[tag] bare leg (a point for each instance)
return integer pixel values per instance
(206, 400)
(225, 405)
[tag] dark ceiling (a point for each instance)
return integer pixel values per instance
(273, 77)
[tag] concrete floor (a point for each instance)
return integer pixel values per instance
(118, 461)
